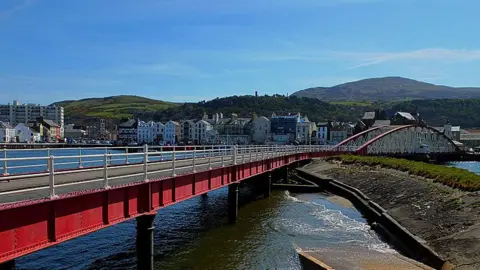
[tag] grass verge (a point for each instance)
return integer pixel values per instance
(453, 177)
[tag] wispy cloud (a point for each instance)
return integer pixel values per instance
(360, 59)
(10, 11)
(434, 54)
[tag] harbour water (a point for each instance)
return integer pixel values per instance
(195, 234)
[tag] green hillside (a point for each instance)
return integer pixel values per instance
(116, 107)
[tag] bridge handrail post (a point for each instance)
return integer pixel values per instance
(250, 151)
(48, 152)
(243, 155)
(234, 149)
(223, 158)
(173, 162)
(80, 158)
(126, 155)
(51, 178)
(194, 159)
(5, 171)
(105, 171)
(145, 163)
(210, 158)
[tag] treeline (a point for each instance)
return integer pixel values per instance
(246, 106)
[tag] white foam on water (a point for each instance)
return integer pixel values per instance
(335, 226)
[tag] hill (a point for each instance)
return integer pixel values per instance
(115, 107)
(464, 112)
(387, 89)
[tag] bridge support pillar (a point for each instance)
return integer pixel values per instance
(232, 203)
(10, 265)
(285, 175)
(268, 185)
(205, 195)
(144, 243)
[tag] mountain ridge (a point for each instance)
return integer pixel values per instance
(387, 89)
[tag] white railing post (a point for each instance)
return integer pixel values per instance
(210, 158)
(48, 152)
(145, 163)
(80, 158)
(105, 171)
(106, 152)
(234, 149)
(173, 162)
(194, 158)
(51, 178)
(250, 151)
(5, 171)
(263, 153)
(223, 158)
(126, 155)
(161, 153)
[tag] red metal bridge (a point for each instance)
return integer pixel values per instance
(69, 196)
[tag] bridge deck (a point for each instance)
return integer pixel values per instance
(37, 187)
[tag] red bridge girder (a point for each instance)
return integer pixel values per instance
(29, 226)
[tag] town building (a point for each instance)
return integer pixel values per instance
(72, 132)
(323, 132)
(172, 132)
(127, 131)
(306, 131)
(201, 128)
(233, 130)
(7, 133)
(403, 118)
(23, 113)
(26, 134)
(284, 128)
(48, 129)
(187, 131)
(261, 130)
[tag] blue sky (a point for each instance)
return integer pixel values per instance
(191, 50)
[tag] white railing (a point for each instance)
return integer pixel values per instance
(187, 159)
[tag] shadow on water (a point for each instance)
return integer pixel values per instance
(195, 234)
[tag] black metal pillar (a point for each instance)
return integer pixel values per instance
(233, 203)
(268, 185)
(145, 231)
(10, 265)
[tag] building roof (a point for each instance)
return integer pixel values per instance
(322, 124)
(5, 125)
(129, 124)
(379, 123)
(406, 115)
(368, 115)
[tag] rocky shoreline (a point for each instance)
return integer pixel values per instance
(446, 218)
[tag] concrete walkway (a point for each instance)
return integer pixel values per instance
(356, 259)
(92, 178)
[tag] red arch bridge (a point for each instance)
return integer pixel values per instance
(48, 196)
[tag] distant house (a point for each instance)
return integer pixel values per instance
(127, 131)
(49, 130)
(323, 131)
(260, 130)
(369, 118)
(7, 133)
(26, 134)
(187, 130)
(403, 118)
(172, 132)
(201, 128)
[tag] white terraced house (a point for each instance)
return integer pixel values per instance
(7, 133)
